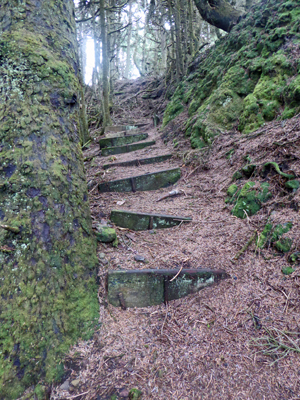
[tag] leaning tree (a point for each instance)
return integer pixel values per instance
(47, 250)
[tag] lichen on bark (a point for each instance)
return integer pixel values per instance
(47, 270)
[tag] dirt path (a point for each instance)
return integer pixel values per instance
(201, 346)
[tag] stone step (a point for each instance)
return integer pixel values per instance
(119, 128)
(143, 288)
(122, 140)
(108, 151)
(122, 133)
(150, 181)
(138, 162)
(141, 221)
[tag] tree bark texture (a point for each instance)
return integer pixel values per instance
(48, 295)
(218, 13)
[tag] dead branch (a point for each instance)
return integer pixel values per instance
(172, 193)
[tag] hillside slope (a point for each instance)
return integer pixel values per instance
(248, 78)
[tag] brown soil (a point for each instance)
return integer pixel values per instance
(201, 346)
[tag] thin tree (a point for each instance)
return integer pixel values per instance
(105, 66)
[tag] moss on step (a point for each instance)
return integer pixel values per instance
(150, 181)
(121, 141)
(142, 221)
(107, 151)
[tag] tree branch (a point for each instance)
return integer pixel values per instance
(218, 13)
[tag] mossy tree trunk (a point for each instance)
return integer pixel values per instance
(47, 250)
(218, 13)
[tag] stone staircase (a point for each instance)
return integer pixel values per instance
(140, 288)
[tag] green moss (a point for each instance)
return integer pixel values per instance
(271, 235)
(248, 170)
(174, 108)
(249, 201)
(287, 270)
(105, 234)
(284, 245)
(48, 291)
(248, 78)
(293, 184)
(232, 190)
(295, 257)
(134, 394)
(237, 175)
(264, 236)
(279, 230)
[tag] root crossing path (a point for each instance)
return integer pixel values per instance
(200, 346)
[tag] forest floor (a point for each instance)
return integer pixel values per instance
(203, 346)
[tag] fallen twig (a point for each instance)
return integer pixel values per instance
(174, 277)
(77, 395)
(244, 248)
(172, 193)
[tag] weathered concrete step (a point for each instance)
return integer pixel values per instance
(119, 128)
(151, 181)
(121, 140)
(141, 221)
(108, 151)
(137, 162)
(143, 288)
(122, 133)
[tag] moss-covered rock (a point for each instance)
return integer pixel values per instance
(249, 201)
(105, 234)
(248, 77)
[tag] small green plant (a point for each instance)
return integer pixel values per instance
(135, 394)
(287, 270)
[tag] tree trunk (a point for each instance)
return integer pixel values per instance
(128, 50)
(191, 29)
(179, 60)
(48, 261)
(96, 81)
(105, 67)
(218, 13)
